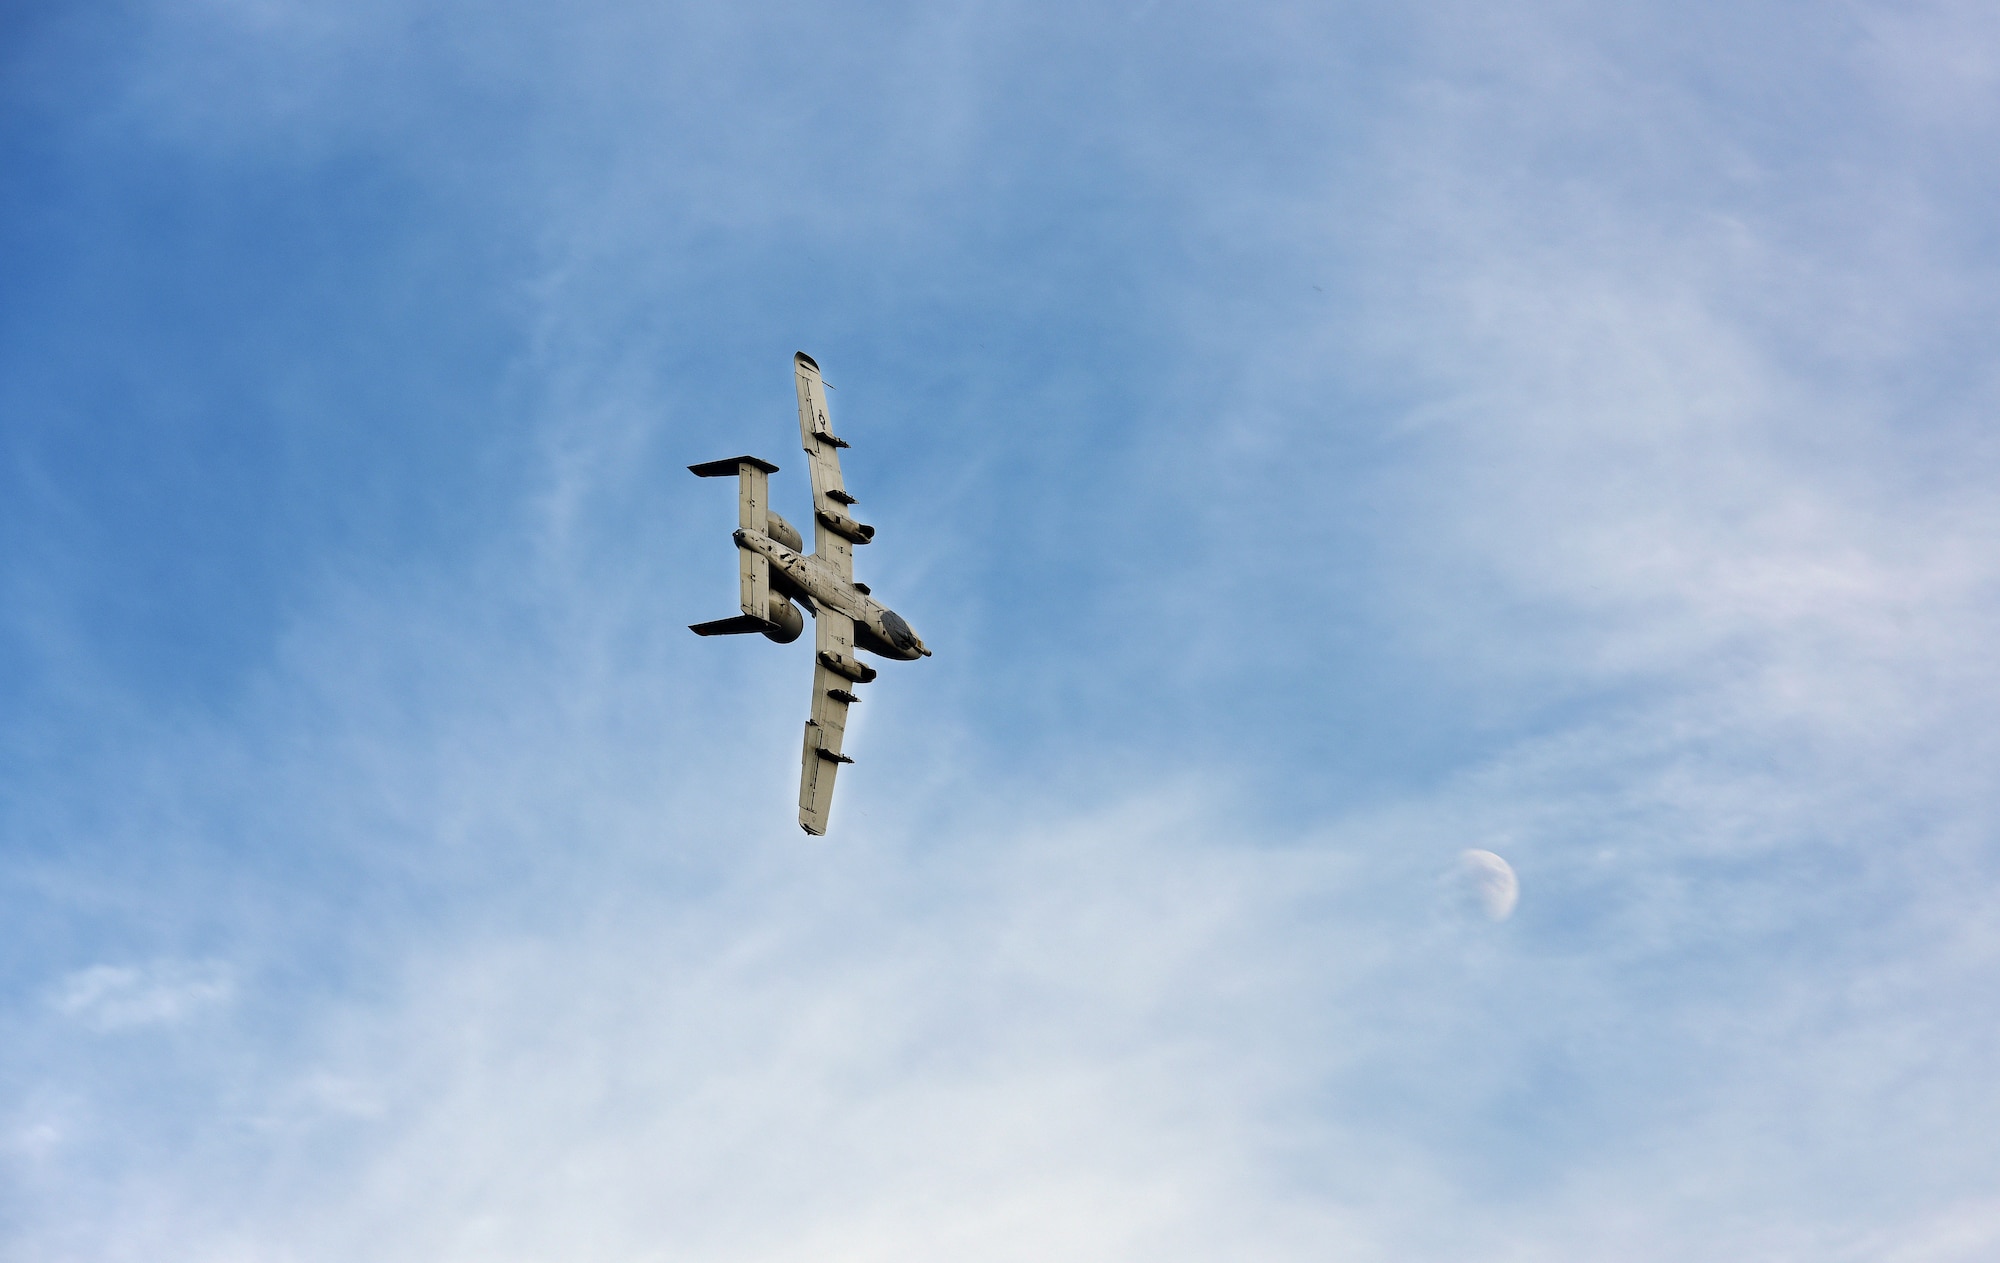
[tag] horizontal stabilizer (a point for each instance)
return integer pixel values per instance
(728, 468)
(741, 625)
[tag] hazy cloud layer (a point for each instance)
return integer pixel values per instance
(1318, 442)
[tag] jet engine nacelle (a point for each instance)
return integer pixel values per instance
(785, 533)
(786, 621)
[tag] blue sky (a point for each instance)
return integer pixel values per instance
(1316, 440)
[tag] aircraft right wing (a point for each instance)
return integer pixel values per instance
(835, 533)
(835, 674)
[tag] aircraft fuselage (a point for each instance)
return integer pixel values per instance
(877, 628)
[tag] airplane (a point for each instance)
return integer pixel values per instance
(775, 571)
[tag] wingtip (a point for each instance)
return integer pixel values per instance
(802, 358)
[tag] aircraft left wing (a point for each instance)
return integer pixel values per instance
(835, 532)
(835, 673)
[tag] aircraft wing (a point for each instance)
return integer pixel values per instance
(835, 532)
(835, 673)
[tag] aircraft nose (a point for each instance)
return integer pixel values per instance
(900, 634)
(904, 637)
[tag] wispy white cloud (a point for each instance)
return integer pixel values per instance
(1621, 480)
(162, 993)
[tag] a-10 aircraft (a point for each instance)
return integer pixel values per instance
(776, 572)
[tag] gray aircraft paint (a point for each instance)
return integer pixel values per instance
(773, 572)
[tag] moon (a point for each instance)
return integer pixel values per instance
(1491, 881)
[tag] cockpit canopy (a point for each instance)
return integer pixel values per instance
(899, 631)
